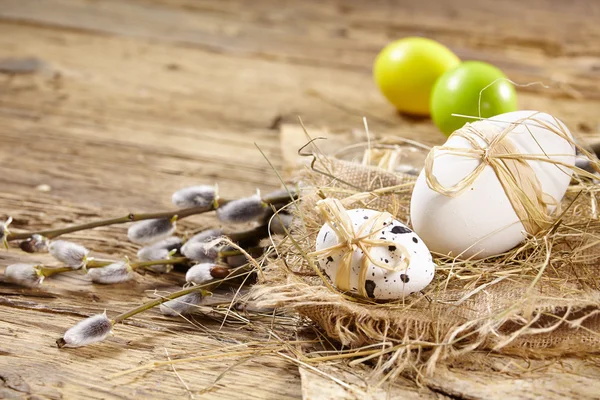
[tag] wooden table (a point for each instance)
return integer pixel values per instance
(109, 106)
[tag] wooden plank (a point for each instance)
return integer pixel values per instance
(519, 379)
(113, 105)
(570, 75)
(42, 370)
(480, 377)
(336, 384)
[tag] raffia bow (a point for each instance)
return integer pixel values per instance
(518, 179)
(350, 240)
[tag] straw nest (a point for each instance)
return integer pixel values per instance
(541, 299)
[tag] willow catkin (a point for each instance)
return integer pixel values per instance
(236, 261)
(200, 273)
(152, 253)
(35, 244)
(243, 210)
(194, 196)
(169, 243)
(201, 237)
(201, 252)
(72, 254)
(22, 274)
(111, 274)
(280, 223)
(151, 230)
(183, 305)
(91, 330)
(205, 236)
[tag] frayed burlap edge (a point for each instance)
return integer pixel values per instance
(543, 311)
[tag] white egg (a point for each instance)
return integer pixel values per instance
(481, 221)
(380, 283)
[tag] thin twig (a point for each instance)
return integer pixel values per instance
(187, 388)
(133, 217)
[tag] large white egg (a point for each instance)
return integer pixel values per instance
(381, 284)
(481, 221)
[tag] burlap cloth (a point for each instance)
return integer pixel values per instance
(531, 303)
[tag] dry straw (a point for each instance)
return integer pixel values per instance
(541, 299)
(338, 219)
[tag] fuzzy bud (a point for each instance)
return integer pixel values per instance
(280, 223)
(243, 210)
(113, 273)
(170, 243)
(236, 261)
(200, 273)
(35, 244)
(183, 305)
(205, 236)
(69, 253)
(585, 164)
(4, 232)
(201, 252)
(151, 230)
(202, 237)
(91, 330)
(194, 196)
(280, 194)
(23, 275)
(152, 253)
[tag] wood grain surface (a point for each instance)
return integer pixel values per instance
(107, 107)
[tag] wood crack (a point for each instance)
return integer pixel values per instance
(449, 393)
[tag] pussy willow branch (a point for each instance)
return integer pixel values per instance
(46, 272)
(257, 232)
(204, 289)
(132, 217)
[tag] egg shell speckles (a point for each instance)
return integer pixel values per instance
(380, 283)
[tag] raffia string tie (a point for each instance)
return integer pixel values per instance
(518, 179)
(350, 240)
